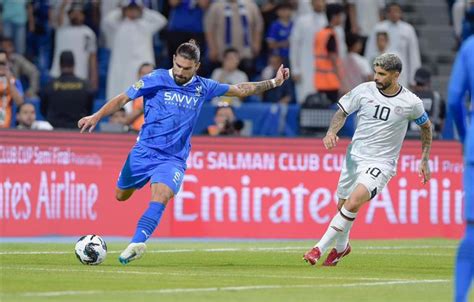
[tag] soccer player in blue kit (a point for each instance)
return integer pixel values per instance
(462, 81)
(172, 102)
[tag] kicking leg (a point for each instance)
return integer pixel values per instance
(342, 248)
(340, 223)
(147, 224)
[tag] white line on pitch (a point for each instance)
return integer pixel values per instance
(198, 274)
(228, 288)
(250, 249)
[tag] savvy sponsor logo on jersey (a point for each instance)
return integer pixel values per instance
(181, 100)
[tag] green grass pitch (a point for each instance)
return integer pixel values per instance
(396, 270)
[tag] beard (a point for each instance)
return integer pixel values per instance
(180, 80)
(382, 86)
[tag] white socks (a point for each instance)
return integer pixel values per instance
(339, 227)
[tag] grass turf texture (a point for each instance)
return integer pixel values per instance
(408, 270)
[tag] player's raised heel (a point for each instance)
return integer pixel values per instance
(312, 256)
(334, 257)
(133, 251)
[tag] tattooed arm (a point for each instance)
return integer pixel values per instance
(426, 138)
(249, 88)
(337, 122)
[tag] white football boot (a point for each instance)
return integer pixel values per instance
(133, 251)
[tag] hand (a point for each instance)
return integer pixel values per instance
(330, 140)
(424, 171)
(282, 75)
(88, 122)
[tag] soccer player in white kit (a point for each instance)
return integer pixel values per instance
(384, 109)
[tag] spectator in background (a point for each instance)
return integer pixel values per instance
(26, 118)
(40, 15)
(67, 98)
(402, 41)
(225, 122)
(280, 95)
(185, 23)
(81, 41)
(117, 122)
(118, 117)
(463, 19)
(130, 31)
(364, 15)
(234, 24)
(136, 118)
(279, 33)
(301, 48)
(14, 17)
(229, 73)
(327, 62)
(10, 90)
(21, 67)
(381, 43)
(357, 69)
(432, 101)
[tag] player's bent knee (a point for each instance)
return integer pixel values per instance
(123, 195)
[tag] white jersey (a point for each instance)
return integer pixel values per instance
(382, 122)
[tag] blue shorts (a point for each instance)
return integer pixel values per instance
(144, 164)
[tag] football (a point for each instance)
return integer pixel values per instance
(91, 250)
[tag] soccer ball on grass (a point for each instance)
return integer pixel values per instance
(91, 250)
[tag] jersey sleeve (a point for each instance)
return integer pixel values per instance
(144, 86)
(350, 102)
(215, 88)
(418, 113)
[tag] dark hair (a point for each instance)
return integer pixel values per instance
(18, 108)
(352, 39)
(390, 5)
(6, 39)
(189, 50)
(382, 33)
(230, 50)
(422, 76)
(333, 10)
(284, 5)
(66, 59)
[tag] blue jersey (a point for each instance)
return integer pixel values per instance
(171, 110)
(462, 81)
(280, 32)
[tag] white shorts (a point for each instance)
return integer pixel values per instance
(374, 176)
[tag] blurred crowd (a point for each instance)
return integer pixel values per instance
(67, 54)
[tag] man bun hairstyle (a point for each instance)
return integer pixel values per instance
(189, 50)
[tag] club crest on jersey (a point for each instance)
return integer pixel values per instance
(399, 110)
(198, 90)
(138, 85)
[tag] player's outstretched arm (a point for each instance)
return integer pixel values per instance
(337, 121)
(89, 122)
(249, 88)
(426, 138)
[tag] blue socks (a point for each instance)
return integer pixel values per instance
(465, 265)
(148, 222)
